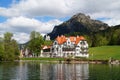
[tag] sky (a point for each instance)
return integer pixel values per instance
(20, 17)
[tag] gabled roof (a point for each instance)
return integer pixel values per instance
(72, 38)
(46, 47)
(79, 38)
(61, 39)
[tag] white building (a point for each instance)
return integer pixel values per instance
(47, 37)
(67, 47)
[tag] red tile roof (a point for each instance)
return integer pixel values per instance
(72, 38)
(79, 38)
(62, 39)
(46, 47)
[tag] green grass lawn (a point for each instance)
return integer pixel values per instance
(46, 59)
(104, 53)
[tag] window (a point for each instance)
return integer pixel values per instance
(82, 43)
(55, 43)
(68, 42)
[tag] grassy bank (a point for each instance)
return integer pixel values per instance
(104, 53)
(46, 59)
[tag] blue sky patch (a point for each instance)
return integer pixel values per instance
(103, 19)
(48, 18)
(64, 19)
(2, 19)
(45, 18)
(7, 3)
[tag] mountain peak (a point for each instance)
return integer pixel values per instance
(78, 23)
(80, 15)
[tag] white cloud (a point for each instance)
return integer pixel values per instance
(21, 15)
(63, 8)
(60, 7)
(36, 8)
(23, 26)
(9, 12)
(112, 22)
(21, 37)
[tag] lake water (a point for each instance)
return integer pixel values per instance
(52, 71)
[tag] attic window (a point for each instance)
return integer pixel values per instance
(82, 43)
(55, 43)
(68, 42)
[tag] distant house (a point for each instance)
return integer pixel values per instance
(47, 37)
(46, 51)
(67, 46)
(26, 53)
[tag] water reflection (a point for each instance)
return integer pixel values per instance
(104, 72)
(51, 71)
(43, 71)
(64, 71)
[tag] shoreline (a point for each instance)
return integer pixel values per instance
(77, 61)
(69, 62)
(66, 60)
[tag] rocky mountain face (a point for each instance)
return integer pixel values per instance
(78, 23)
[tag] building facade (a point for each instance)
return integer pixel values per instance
(67, 47)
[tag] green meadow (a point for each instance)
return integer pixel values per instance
(104, 53)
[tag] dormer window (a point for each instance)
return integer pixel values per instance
(55, 43)
(82, 43)
(68, 42)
